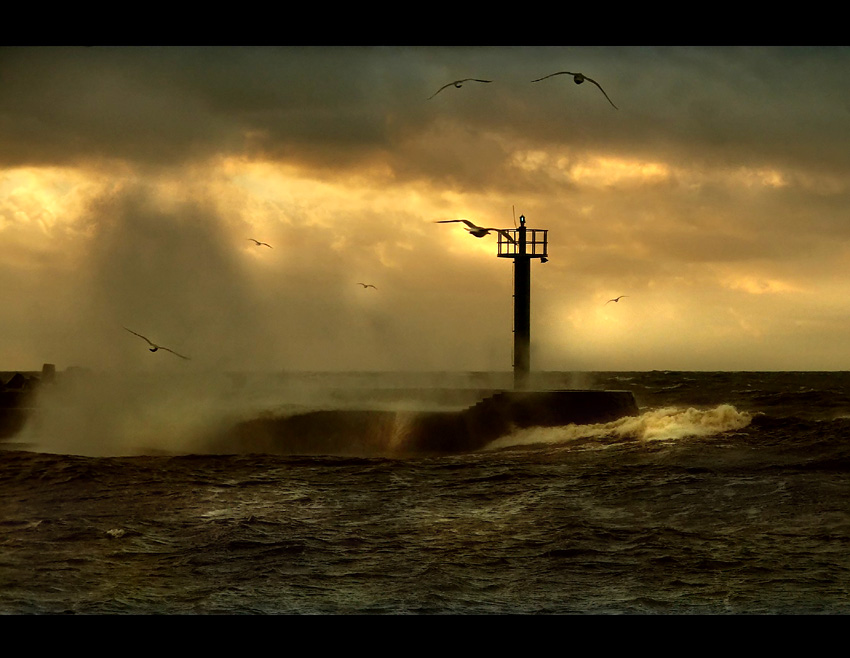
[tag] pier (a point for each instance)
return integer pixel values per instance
(17, 397)
(361, 432)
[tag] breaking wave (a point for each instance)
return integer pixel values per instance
(665, 424)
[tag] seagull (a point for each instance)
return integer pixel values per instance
(458, 84)
(154, 347)
(616, 299)
(366, 285)
(578, 78)
(477, 231)
(258, 243)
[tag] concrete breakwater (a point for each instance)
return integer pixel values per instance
(307, 415)
(369, 432)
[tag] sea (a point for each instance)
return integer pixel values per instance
(727, 494)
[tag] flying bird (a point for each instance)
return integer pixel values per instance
(616, 299)
(458, 84)
(366, 285)
(477, 231)
(578, 78)
(154, 347)
(258, 243)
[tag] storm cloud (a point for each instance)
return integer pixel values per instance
(715, 196)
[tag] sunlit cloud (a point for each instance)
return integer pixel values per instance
(721, 215)
(760, 286)
(592, 171)
(44, 197)
(762, 177)
(602, 171)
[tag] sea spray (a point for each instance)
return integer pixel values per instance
(668, 423)
(117, 414)
(673, 423)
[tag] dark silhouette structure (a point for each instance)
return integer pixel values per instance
(370, 432)
(522, 244)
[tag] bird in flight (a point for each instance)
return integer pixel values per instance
(154, 347)
(258, 243)
(616, 299)
(578, 78)
(458, 84)
(477, 231)
(366, 285)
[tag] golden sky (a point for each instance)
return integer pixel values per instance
(715, 197)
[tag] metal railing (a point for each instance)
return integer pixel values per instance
(536, 243)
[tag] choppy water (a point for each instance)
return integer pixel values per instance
(728, 494)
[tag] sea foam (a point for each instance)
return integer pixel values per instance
(668, 423)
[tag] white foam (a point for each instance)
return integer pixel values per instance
(669, 423)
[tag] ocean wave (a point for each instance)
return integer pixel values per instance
(664, 424)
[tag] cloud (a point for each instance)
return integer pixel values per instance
(132, 178)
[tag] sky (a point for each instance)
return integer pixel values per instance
(715, 196)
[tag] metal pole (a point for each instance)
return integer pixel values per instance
(522, 310)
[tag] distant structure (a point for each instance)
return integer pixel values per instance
(48, 373)
(522, 244)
